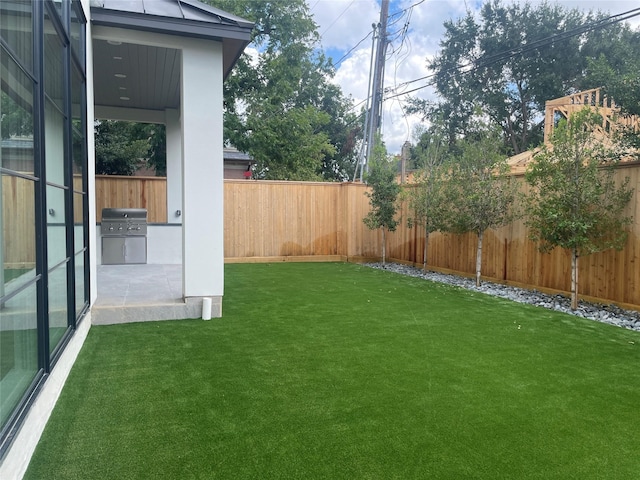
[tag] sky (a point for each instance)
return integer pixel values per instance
(343, 24)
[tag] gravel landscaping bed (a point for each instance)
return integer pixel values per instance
(602, 313)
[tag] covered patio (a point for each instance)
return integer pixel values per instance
(165, 62)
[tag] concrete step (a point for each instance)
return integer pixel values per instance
(110, 314)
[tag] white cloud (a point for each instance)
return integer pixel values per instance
(344, 23)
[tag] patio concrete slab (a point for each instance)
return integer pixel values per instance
(140, 293)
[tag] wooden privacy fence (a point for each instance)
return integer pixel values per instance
(279, 221)
(132, 192)
(317, 221)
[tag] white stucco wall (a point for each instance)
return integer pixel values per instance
(202, 169)
(174, 166)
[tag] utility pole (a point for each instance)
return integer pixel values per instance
(378, 76)
(373, 117)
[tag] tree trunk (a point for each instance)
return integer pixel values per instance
(426, 248)
(384, 245)
(574, 279)
(479, 259)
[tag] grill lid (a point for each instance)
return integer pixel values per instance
(126, 214)
(124, 221)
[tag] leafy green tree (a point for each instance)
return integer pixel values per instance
(427, 196)
(472, 69)
(614, 65)
(480, 192)
(575, 202)
(383, 196)
(290, 150)
(156, 134)
(118, 151)
(283, 75)
(123, 147)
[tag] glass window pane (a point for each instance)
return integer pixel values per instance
(77, 31)
(78, 224)
(16, 120)
(53, 65)
(58, 319)
(54, 144)
(56, 228)
(18, 227)
(58, 5)
(19, 349)
(77, 126)
(80, 298)
(16, 28)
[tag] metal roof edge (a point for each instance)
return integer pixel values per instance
(169, 25)
(216, 11)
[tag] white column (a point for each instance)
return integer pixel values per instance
(202, 172)
(174, 166)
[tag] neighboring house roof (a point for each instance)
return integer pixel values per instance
(232, 154)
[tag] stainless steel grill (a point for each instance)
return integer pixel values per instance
(124, 221)
(124, 235)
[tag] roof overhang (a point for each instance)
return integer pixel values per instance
(137, 75)
(185, 18)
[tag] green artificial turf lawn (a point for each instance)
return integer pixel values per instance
(339, 371)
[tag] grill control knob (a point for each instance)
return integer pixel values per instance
(119, 228)
(138, 228)
(110, 228)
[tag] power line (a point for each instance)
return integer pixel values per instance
(537, 43)
(495, 58)
(352, 49)
(338, 18)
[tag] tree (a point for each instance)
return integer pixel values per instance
(290, 150)
(427, 197)
(613, 63)
(575, 202)
(156, 134)
(282, 75)
(118, 150)
(480, 192)
(491, 61)
(383, 195)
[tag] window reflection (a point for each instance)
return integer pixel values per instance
(54, 144)
(16, 117)
(78, 225)
(77, 27)
(16, 28)
(79, 273)
(58, 319)
(77, 125)
(17, 223)
(56, 228)
(19, 347)
(53, 66)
